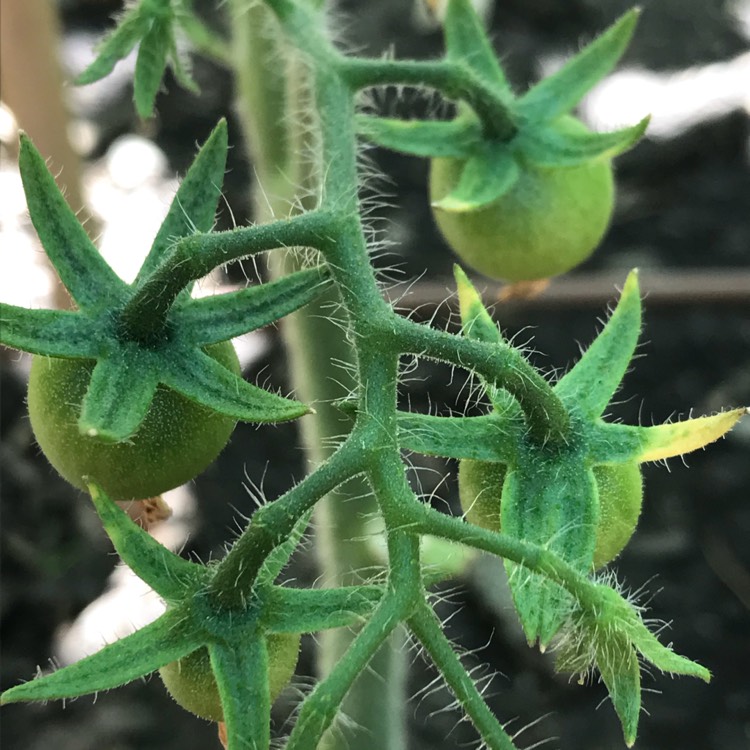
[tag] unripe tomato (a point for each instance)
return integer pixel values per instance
(620, 498)
(549, 221)
(191, 682)
(620, 487)
(176, 441)
(480, 485)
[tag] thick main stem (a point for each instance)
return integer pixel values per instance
(315, 342)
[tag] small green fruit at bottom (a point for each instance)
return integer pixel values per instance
(190, 681)
(176, 441)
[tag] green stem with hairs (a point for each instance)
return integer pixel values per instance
(287, 174)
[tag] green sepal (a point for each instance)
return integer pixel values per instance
(614, 443)
(559, 93)
(662, 657)
(241, 672)
(455, 138)
(115, 46)
(589, 386)
(163, 641)
(180, 63)
(552, 147)
(224, 316)
(466, 43)
(478, 324)
(291, 610)
(82, 269)
(194, 206)
(166, 573)
(55, 333)
(492, 437)
(151, 64)
(119, 393)
(280, 556)
(621, 673)
(608, 633)
(551, 502)
(153, 24)
(597, 640)
(486, 176)
(201, 378)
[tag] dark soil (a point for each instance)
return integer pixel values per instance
(685, 203)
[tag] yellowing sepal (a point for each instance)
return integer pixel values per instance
(667, 440)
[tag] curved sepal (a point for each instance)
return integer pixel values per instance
(552, 503)
(559, 93)
(194, 206)
(486, 176)
(151, 23)
(667, 440)
(54, 333)
(119, 393)
(554, 147)
(201, 378)
(427, 138)
(595, 642)
(466, 42)
(277, 560)
(115, 46)
(167, 639)
(476, 322)
(167, 574)
(589, 386)
(83, 271)
(609, 633)
(151, 64)
(224, 316)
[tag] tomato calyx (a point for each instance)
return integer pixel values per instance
(246, 653)
(140, 338)
(549, 493)
(496, 135)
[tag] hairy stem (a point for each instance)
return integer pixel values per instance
(144, 316)
(321, 707)
(272, 524)
(502, 366)
(454, 81)
(426, 627)
(314, 336)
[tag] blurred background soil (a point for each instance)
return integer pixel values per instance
(683, 217)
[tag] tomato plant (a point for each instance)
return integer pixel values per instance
(177, 439)
(126, 351)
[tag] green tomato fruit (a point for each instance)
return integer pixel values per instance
(480, 485)
(176, 441)
(620, 486)
(620, 498)
(549, 221)
(190, 681)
